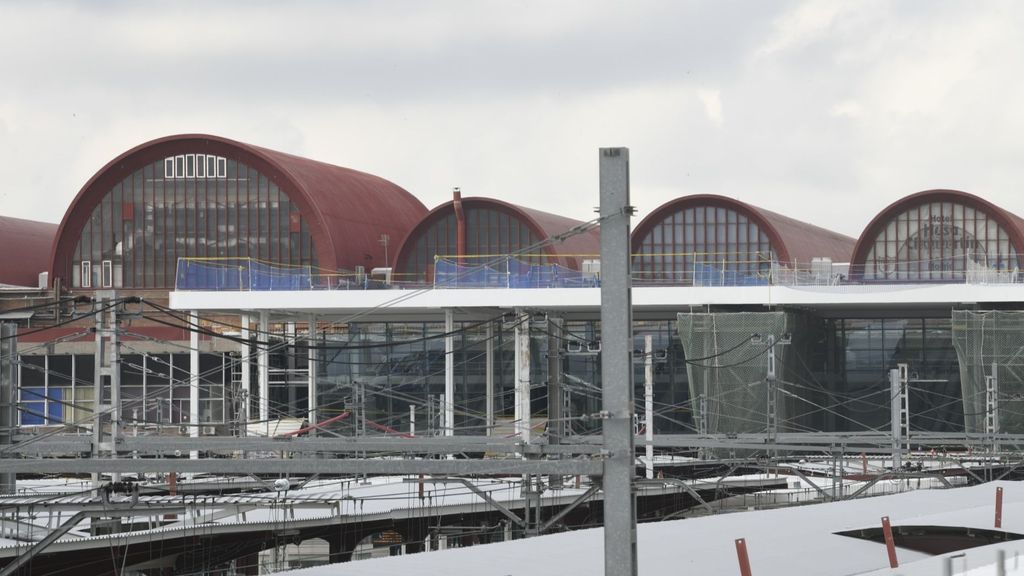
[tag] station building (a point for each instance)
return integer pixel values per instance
(275, 255)
(234, 209)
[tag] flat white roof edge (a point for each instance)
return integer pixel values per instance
(586, 299)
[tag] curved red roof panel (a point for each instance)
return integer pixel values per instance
(791, 239)
(1013, 224)
(26, 250)
(347, 210)
(569, 253)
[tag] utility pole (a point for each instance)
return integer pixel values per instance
(522, 376)
(193, 383)
(556, 415)
(895, 402)
(992, 406)
(773, 398)
(312, 408)
(649, 405)
(8, 396)
(617, 365)
(106, 381)
(449, 372)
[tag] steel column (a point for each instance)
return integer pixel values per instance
(449, 372)
(8, 396)
(193, 382)
(617, 365)
(263, 366)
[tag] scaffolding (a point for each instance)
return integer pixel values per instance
(731, 364)
(989, 346)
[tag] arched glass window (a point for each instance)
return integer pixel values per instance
(695, 244)
(490, 234)
(940, 241)
(158, 214)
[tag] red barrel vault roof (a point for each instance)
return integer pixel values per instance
(792, 239)
(26, 250)
(569, 253)
(347, 210)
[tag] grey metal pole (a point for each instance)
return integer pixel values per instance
(449, 373)
(489, 378)
(8, 396)
(617, 365)
(312, 402)
(246, 352)
(263, 367)
(649, 405)
(894, 405)
(193, 384)
(522, 375)
(556, 417)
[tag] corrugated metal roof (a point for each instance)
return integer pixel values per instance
(544, 224)
(24, 250)
(347, 210)
(791, 239)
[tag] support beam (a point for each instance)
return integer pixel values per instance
(23, 559)
(494, 503)
(686, 488)
(617, 365)
(308, 465)
(568, 508)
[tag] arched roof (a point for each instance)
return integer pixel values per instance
(1013, 224)
(543, 224)
(25, 250)
(346, 210)
(792, 239)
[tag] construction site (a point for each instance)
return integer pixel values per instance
(230, 360)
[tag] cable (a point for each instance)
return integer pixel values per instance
(65, 322)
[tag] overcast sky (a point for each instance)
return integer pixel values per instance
(824, 110)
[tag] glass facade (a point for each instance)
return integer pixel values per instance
(940, 241)
(398, 365)
(57, 389)
(834, 375)
(689, 242)
(490, 233)
(136, 234)
(865, 350)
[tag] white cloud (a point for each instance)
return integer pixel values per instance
(712, 101)
(847, 109)
(835, 108)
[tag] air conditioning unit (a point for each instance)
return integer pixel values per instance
(209, 431)
(44, 280)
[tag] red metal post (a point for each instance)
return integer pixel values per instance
(890, 545)
(741, 554)
(999, 507)
(864, 462)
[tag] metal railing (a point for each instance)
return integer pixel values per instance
(525, 271)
